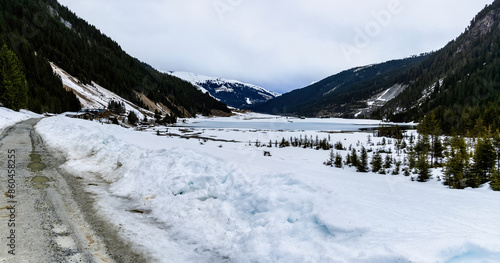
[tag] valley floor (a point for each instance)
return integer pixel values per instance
(209, 195)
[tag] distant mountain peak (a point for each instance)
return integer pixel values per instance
(234, 93)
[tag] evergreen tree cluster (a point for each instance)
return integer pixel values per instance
(169, 119)
(42, 30)
(465, 162)
(304, 141)
(132, 118)
(13, 84)
(473, 162)
(116, 107)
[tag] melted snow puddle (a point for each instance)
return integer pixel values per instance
(36, 164)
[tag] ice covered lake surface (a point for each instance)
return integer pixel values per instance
(221, 201)
(287, 124)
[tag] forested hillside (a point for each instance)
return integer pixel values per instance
(42, 30)
(459, 84)
(344, 94)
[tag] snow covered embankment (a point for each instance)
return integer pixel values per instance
(9, 117)
(209, 204)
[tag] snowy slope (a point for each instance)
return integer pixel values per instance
(94, 96)
(225, 202)
(234, 93)
(9, 117)
(380, 99)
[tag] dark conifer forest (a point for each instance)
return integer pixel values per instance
(39, 31)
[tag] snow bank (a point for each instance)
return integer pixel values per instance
(243, 216)
(9, 117)
(286, 208)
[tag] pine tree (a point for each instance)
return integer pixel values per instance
(348, 160)
(457, 164)
(132, 118)
(169, 119)
(423, 167)
(338, 146)
(388, 162)
(495, 180)
(479, 129)
(430, 127)
(376, 162)
(496, 144)
(331, 159)
(13, 84)
(354, 158)
(412, 162)
(437, 150)
(484, 162)
(363, 162)
(398, 168)
(338, 160)
(157, 116)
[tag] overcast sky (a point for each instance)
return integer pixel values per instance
(278, 44)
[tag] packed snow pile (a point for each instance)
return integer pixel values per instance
(9, 117)
(229, 203)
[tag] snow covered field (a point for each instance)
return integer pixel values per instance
(204, 199)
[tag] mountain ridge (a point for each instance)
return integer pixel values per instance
(344, 94)
(234, 93)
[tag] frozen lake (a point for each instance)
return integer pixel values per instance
(295, 125)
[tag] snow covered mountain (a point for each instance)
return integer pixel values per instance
(351, 93)
(234, 93)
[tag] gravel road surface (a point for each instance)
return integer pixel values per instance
(45, 215)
